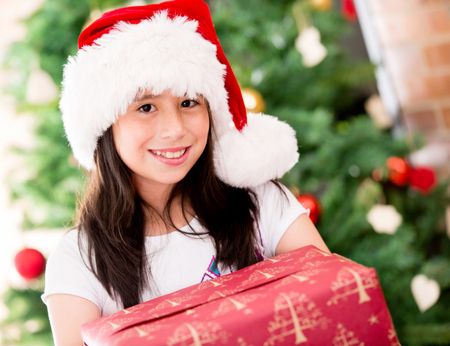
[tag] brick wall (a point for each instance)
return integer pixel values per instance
(414, 37)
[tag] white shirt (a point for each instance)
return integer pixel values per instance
(176, 260)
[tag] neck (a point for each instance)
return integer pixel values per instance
(157, 196)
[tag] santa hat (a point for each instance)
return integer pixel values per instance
(169, 46)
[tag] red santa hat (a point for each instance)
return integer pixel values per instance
(169, 46)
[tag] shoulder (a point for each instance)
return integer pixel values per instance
(267, 191)
(71, 244)
(69, 260)
(67, 241)
(68, 270)
(278, 208)
(275, 196)
(69, 253)
(70, 237)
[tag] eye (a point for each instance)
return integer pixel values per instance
(189, 103)
(147, 108)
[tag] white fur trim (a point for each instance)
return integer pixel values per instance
(265, 149)
(159, 53)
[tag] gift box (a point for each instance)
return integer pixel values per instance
(306, 296)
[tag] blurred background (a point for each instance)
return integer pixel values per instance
(366, 85)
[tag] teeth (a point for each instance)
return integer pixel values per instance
(169, 154)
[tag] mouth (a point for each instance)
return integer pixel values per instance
(172, 156)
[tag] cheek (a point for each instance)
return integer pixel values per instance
(201, 127)
(117, 138)
(128, 138)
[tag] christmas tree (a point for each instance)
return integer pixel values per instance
(368, 201)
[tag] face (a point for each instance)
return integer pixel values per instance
(160, 138)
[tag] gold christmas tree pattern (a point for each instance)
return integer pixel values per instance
(294, 313)
(147, 332)
(345, 337)
(236, 303)
(350, 282)
(259, 276)
(198, 334)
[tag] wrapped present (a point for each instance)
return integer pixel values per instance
(305, 296)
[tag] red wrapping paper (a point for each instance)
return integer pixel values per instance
(302, 297)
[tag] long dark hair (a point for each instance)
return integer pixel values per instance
(112, 217)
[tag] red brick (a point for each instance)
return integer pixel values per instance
(404, 58)
(446, 117)
(432, 2)
(439, 20)
(411, 90)
(388, 6)
(397, 29)
(400, 27)
(438, 86)
(438, 54)
(400, 62)
(422, 121)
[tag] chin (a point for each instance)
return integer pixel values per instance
(170, 179)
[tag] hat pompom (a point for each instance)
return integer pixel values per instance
(265, 149)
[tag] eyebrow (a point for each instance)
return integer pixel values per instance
(151, 96)
(144, 97)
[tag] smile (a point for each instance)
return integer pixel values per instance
(173, 156)
(170, 154)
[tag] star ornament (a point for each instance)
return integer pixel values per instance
(384, 218)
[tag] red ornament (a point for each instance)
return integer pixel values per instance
(310, 202)
(398, 170)
(422, 179)
(30, 263)
(349, 10)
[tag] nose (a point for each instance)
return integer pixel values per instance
(171, 124)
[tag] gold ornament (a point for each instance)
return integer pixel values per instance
(321, 5)
(376, 110)
(253, 100)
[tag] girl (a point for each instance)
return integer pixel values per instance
(182, 185)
